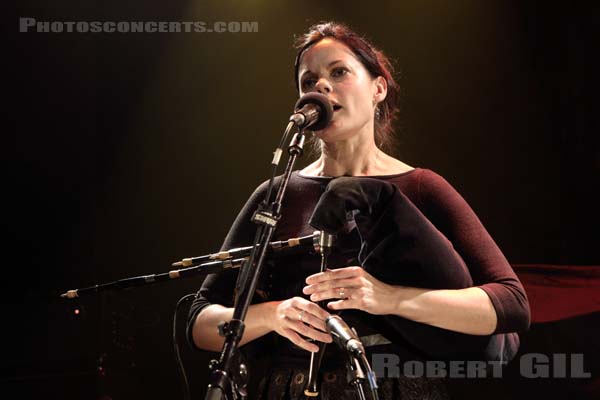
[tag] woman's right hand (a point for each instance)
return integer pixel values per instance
(297, 316)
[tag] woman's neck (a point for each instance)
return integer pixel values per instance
(354, 158)
(348, 159)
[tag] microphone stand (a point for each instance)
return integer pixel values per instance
(223, 377)
(356, 376)
(358, 365)
(360, 371)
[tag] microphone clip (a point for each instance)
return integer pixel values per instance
(264, 217)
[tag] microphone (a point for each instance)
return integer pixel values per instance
(312, 110)
(344, 336)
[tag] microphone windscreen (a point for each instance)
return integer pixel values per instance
(321, 101)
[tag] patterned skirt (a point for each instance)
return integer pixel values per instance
(289, 384)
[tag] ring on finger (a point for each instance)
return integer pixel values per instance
(301, 315)
(341, 293)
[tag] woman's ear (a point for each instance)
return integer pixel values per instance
(380, 89)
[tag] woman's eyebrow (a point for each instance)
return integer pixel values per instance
(333, 62)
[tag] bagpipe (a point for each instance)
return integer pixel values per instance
(399, 246)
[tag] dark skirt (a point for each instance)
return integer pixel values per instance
(289, 384)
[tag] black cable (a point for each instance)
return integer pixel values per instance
(186, 385)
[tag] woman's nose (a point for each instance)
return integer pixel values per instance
(323, 86)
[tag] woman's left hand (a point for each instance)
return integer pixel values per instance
(354, 288)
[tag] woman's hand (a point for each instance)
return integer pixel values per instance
(354, 288)
(298, 316)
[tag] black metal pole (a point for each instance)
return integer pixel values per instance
(357, 378)
(221, 384)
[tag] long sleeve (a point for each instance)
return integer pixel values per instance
(219, 288)
(490, 270)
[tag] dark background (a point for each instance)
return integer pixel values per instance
(127, 152)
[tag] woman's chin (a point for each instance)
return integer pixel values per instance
(332, 134)
(330, 131)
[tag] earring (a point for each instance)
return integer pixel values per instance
(377, 112)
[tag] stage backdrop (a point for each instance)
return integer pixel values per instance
(128, 151)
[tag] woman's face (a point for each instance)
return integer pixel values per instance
(329, 67)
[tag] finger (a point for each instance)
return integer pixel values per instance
(310, 313)
(315, 310)
(342, 305)
(309, 332)
(294, 314)
(301, 303)
(332, 284)
(298, 341)
(337, 293)
(339, 273)
(314, 321)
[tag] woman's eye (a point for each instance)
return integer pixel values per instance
(308, 83)
(339, 71)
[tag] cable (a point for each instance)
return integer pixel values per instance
(186, 385)
(370, 375)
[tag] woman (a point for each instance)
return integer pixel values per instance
(358, 80)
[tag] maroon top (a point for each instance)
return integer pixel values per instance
(436, 199)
